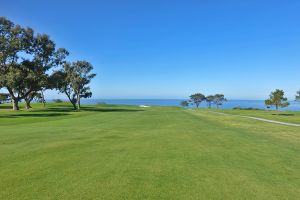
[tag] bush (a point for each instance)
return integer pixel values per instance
(184, 103)
(57, 101)
(250, 108)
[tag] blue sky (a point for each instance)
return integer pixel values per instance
(170, 49)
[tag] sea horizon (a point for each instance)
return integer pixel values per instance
(229, 104)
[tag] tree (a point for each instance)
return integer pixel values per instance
(184, 103)
(37, 96)
(16, 81)
(298, 96)
(28, 100)
(25, 76)
(219, 99)
(197, 99)
(73, 81)
(209, 99)
(14, 40)
(277, 99)
(45, 57)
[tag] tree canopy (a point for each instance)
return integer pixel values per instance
(184, 103)
(209, 99)
(26, 63)
(219, 99)
(197, 99)
(73, 80)
(277, 99)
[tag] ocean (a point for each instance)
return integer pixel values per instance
(294, 106)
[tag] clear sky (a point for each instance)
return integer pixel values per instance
(170, 49)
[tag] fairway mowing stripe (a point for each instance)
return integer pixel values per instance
(257, 118)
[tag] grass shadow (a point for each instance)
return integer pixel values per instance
(33, 115)
(63, 110)
(95, 109)
(283, 114)
(91, 109)
(60, 109)
(5, 107)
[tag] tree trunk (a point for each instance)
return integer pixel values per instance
(14, 100)
(74, 105)
(78, 103)
(78, 100)
(43, 99)
(71, 99)
(15, 103)
(27, 104)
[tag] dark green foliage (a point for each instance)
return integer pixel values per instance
(277, 99)
(4, 97)
(28, 76)
(14, 71)
(73, 81)
(184, 103)
(250, 108)
(209, 99)
(218, 99)
(57, 100)
(197, 98)
(23, 76)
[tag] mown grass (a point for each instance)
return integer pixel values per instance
(284, 116)
(127, 152)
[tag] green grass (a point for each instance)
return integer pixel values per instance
(284, 116)
(127, 152)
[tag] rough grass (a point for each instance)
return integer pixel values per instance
(126, 152)
(284, 116)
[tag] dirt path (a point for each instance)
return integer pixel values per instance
(260, 119)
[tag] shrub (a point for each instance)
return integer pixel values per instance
(57, 101)
(250, 108)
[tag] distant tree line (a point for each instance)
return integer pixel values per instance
(30, 63)
(4, 97)
(197, 98)
(298, 96)
(276, 99)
